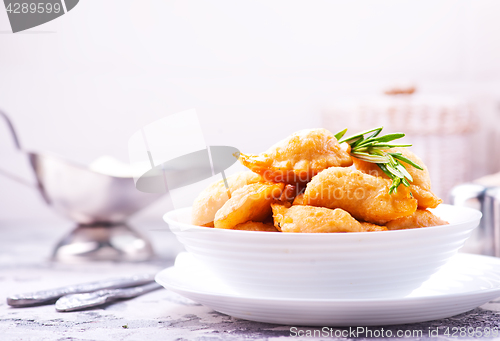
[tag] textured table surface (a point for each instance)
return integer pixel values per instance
(159, 315)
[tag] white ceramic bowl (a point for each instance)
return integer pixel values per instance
(326, 265)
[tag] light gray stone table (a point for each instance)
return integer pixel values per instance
(161, 315)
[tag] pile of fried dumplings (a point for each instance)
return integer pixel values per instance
(309, 183)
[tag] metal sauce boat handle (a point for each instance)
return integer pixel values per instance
(13, 133)
(17, 144)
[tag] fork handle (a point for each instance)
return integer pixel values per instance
(97, 298)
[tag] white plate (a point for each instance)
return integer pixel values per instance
(465, 283)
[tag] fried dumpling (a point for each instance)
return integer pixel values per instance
(421, 218)
(215, 196)
(364, 196)
(249, 203)
(421, 185)
(310, 219)
(255, 226)
(369, 227)
(299, 157)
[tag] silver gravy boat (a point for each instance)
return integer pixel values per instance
(98, 203)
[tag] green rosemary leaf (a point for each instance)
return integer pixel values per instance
(388, 145)
(384, 139)
(403, 170)
(397, 173)
(352, 141)
(399, 156)
(384, 169)
(364, 147)
(370, 157)
(392, 160)
(358, 136)
(360, 150)
(375, 134)
(362, 144)
(357, 142)
(340, 134)
(390, 137)
(394, 187)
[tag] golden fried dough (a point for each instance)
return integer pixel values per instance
(364, 196)
(299, 157)
(255, 226)
(421, 185)
(372, 227)
(249, 203)
(215, 196)
(299, 199)
(279, 212)
(421, 218)
(310, 219)
(425, 198)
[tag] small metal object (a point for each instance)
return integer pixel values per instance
(469, 195)
(100, 297)
(485, 239)
(492, 219)
(88, 198)
(50, 296)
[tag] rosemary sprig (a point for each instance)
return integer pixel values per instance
(373, 149)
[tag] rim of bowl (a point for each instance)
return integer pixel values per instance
(476, 217)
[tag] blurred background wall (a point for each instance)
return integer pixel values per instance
(256, 71)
